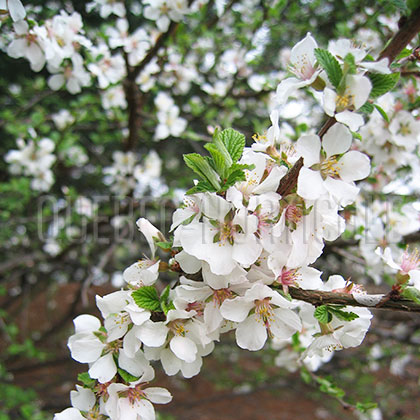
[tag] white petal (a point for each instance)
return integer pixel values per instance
(351, 119)
(337, 140)
(86, 323)
(153, 334)
(310, 184)
(103, 369)
(251, 334)
(354, 165)
(158, 395)
(16, 9)
(69, 414)
(188, 263)
(343, 192)
(360, 87)
(329, 101)
(83, 399)
(214, 206)
(135, 366)
(170, 363)
(56, 81)
(309, 146)
(184, 348)
(236, 309)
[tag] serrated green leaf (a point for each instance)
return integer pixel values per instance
(202, 186)
(331, 66)
(86, 380)
(147, 298)
(234, 177)
(201, 166)
(382, 112)
(412, 293)
(217, 141)
(367, 108)
(350, 62)
(219, 163)
(234, 142)
(322, 315)
(342, 315)
(127, 377)
(382, 83)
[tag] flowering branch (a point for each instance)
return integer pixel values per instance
(317, 297)
(406, 33)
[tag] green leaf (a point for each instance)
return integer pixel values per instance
(233, 178)
(217, 141)
(147, 298)
(218, 158)
(201, 167)
(234, 143)
(382, 112)
(367, 108)
(412, 293)
(330, 388)
(382, 83)
(350, 63)
(364, 407)
(127, 377)
(86, 380)
(164, 245)
(322, 315)
(342, 315)
(202, 186)
(331, 66)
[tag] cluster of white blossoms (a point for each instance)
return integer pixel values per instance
(245, 235)
(34, 159)
(127, 176)
(169, 121)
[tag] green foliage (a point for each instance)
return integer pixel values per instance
(221, 170)
(165, 302)
(331, 66)
(127, 377)
(325, 313)
(86, 380)
(412, 293)
(147, 298)
(382, 83)
(327, 386)
(384, 115)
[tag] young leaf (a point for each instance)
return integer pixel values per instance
(147, 298)
(382, 83)
(350, 62)
(202, 186)
(331, 66)
(382, 112)
(322, 315)
(86, 380)
(127, 377)
(201, 167)
(164, 245)
(218, 159)
(233, 177)
(364, 407)
(234, 143)
(412, 293)
(366, 108)
(342, 315)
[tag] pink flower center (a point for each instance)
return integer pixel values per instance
(133, 394)
(410, 261)
(264, 312)
(293, 213)
(220, 295)
(195, 306)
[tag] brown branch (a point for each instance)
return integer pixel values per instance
(317, 298)
(289, 181)
(405, 34)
